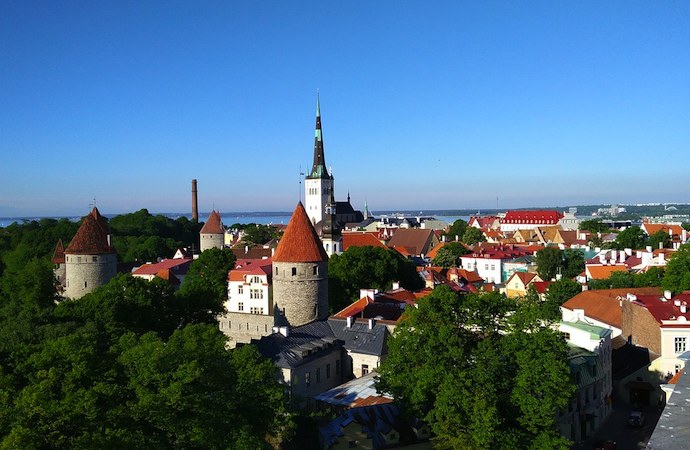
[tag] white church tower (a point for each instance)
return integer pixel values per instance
(318, 184)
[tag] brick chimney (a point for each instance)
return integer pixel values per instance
(195, 204)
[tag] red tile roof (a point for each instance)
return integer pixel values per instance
(361, 239)
(414, 240)
(59, 254)
(541, 286)
(604, 272)
(666, 309)
(213, 225)
(604, 305)
(167, 275)
(672, 230)
(245, 267)
(533, 217)
(91, 237)
(300, 243)
(178, 266)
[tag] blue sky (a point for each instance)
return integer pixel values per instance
(424, 104)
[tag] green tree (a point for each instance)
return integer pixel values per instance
(208, 274)
(573, 263)
(653, 276)
(473, 236)
(549, 261)
(367, 268)
(593, 226)
(479, 372)
(677, 273)
(449, 255)
(632, 237)
(259, 234)
(560, 292)
(458, 229)
(660, 239)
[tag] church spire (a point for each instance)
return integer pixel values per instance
(318, 170)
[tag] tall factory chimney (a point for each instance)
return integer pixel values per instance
(195, 204)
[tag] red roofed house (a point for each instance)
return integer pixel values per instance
(90, 259)
(169, 269)
(212, 234)
(300, 273)
(484, 223)
(248, 287)
(677, 233)
(413, 241)
(661, 324)
(522, 220)
(519, 282)
(487, 261)
(361, 239)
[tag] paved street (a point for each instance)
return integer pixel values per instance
(616, 429)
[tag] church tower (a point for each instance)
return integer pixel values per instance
(318, 184)
(330, 229)
(300, 274)
(90, 259)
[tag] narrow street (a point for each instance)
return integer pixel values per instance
(616, 429)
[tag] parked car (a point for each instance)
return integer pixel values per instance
(636, 418)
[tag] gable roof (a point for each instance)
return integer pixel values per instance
(604, 305)
(361, 239)
(414, 240)
(300, 243)
(92, 237)
(213, 224)
(671, 229)
(59, 253)
(178, 266)
(597, 272)
(524, 277)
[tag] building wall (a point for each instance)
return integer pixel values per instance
(300, 291)
(300, 388)
(639, 327)
(487, 268)
(60, 272)
(84, 273)
(316, 192)
(669, 361)
(212, 241)
(241, 328)
(332, 246)
(355, 361)
(261, 302)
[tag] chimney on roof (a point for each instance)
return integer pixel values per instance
(372, 322)
(195, 203)
(350, 321)
(667, 295)
(622, 256)
(683, 308)
(396, 285)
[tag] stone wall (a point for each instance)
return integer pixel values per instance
(640, 327)
(303, 297)
(241, 328)
(84, 273)
(212, 241)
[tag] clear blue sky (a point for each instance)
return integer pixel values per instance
(424, 104)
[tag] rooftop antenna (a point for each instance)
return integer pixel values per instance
(301, 174)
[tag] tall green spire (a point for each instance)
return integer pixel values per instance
(318, 170)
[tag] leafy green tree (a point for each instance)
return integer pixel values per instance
(660, 239)
(632, 237)
(458, 229)
(560, 292)
(480, 371)
(549, 260)
(473, 236)
(593, 226)
(259, 234)
(573, 263)
(367, 268)
(208, 274)
(449, 255)
(677, 273)
(653, 276)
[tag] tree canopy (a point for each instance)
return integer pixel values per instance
(593, 226)
(449, 255)
(473, 236)
(367, 267)
(456, 230)
(485, 372)
(632, 237)
(552, 261)
(677, 274)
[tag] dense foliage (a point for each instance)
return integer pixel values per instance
(456, 231)
(133, 364)
(485, 371)
(552, 261)
(654, 276)
(449, 255)
(677, 274)
(367, 268)
(473, 236)
(256, 233)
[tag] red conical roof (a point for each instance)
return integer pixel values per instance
(91, 237)
(300, 243)
(213, 225)
(59, 254)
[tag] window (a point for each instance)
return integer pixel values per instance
(493, 267)
(240, 289)
(256, 293)
(680, 344)
(78, 258)
(255, 279)
(307, 378)
(328, 371)
(318, 375)
(365, 369)
(486, 267)
(276, 271)
(85, 283)
(240, 306)
(256, 310)
(315, 269)
(94, 258)
(294, 271)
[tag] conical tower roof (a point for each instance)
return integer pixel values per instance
(318, 169)
(300, 243)
(213, 225)
(91, 237)
(59, 254)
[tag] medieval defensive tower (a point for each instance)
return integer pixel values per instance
(90, 259)
(212, 233)
(300, 273)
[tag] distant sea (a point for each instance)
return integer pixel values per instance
(262, 218)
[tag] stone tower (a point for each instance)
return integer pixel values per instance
(90, 259)
(212, 233)
(300, 273)
(59, 269)
(318, 184)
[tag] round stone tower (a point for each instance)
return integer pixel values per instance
(300, 273)
(212, 234)
(90, 259)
